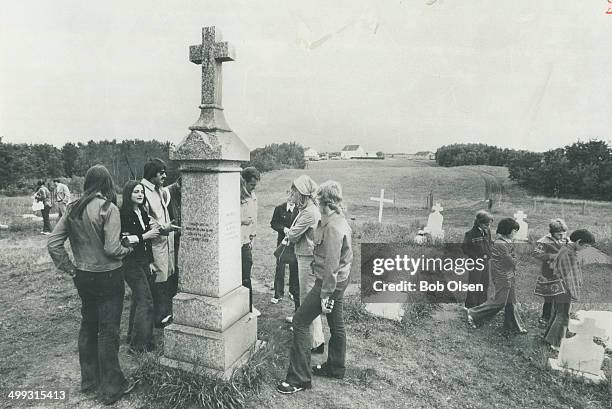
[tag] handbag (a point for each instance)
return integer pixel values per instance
(549, 287)
(36, 205)
(284, 252)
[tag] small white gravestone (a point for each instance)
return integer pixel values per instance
(603, 320)
(390, 311)
(434, 223)
(420, 238)
(523, 233)
(381, 200)
(579, 355)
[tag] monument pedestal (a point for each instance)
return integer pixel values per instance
(218, 352)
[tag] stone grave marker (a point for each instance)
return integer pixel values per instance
(212, 325)
(579, 355)
(434, 223)
(603, 320)
(390, 311)
(523, 233)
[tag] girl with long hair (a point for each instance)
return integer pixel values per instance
(93, 227)
(135, 222)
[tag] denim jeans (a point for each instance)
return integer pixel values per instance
(559, 319)
(299, 371)
(279, 281)
(162, 300)
(101, 306)
(247, 265)
(547, 308)
(505, 299)
(45, 215)
(140, 328)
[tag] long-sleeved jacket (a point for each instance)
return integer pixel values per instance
(546, 250)
(282, 218)
(503, 262)
(44, 195)
(163, 246)
(567, 267)
(302, 231)
(62, 193)
(333, 253)
(477, 243)
(131, 224)
(248, 216)
(94, 239)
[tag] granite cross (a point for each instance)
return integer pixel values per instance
(210, 54)
(381, 200)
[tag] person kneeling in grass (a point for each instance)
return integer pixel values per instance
(503, 273)
(332, 266)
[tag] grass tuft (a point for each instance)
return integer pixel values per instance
(173, 388)
(414, 314)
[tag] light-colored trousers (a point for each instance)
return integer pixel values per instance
(307, 280)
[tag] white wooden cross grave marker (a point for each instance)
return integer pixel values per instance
(381, 200)
(523, 233)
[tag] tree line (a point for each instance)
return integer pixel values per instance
(24, 164)
(582, 169)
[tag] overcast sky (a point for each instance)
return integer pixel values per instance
(397, 76)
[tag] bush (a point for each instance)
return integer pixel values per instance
(581, 170)
(278, 156)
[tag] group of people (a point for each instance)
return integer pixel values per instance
(112, 245)
(314, 240)
(559, 283)
(45, 199)
(138, 243)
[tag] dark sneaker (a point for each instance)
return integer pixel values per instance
(322, 370)
(286, 388)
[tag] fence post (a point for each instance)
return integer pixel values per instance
(563, 210)
(584, 207)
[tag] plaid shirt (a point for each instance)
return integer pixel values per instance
(566, 266)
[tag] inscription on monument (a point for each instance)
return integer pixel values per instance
(198, 231)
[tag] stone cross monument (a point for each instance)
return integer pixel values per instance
(212, 325)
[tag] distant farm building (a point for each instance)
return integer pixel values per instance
(352, 151)
(311, 154)
(425, 155)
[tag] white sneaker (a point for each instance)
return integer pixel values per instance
(256, 312)
(289, 320)
(275, 300)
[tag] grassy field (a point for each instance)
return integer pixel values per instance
(431, 360)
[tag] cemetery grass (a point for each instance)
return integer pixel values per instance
(430, 360)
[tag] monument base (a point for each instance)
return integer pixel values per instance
(217, 350)
(223, 374)
(556, 365)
